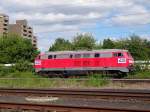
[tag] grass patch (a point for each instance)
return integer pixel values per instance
(140, 75)
(30, 80)
(96, 80)
(21, 75)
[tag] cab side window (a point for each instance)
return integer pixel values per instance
(118, 54)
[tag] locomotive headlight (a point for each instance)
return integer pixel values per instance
(131, 61)
(37, 62)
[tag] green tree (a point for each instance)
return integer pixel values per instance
(98, 46)
(137, 46)
(61, 44)
(14, 48)
(108, 44)
(83, 42)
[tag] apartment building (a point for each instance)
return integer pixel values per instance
(22, 28)
(34, 41)
(4, 23)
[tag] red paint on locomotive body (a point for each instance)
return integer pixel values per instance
(110, 59)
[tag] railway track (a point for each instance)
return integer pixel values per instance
(72, 105)
(75, 100)
(125, 94)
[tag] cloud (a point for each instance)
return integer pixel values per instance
(89, 3)
(132, 15)
(66, 13)
(51, 18)
(137, 19)
(75, 15)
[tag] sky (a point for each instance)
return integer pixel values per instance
(51, 19)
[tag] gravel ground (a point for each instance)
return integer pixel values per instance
(121, 104)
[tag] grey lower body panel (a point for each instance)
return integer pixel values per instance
(122, 69)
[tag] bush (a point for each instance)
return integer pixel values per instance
(23, 66)
(5, 70)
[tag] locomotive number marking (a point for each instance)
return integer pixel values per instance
(121, 60)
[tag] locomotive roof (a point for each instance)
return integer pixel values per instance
(86, 51)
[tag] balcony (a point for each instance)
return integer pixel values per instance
(30, 32)
(6, 21)
(25, 30)
(25, 35)
(5, 24)
(29, 28)
(24, 26)
(29, 35)
(5, 29)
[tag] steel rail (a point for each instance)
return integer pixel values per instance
(68, 108)
(84, 79)
(143, 95)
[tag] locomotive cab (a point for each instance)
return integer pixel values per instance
(124, 60)
(130, 61)
(38, 63)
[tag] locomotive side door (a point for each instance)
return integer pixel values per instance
(86, 60)
(106, 58)
(77, 61)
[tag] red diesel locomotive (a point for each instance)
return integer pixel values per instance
(115, 60)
